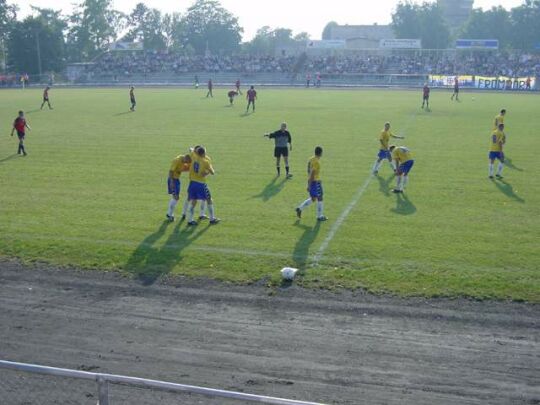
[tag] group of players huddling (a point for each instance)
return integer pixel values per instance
(199, 165)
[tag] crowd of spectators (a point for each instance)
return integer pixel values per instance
(485, 64)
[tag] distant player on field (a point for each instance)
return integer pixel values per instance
(237, 85)
(198, 190)
(46, 98)
(180, 164)
(498, 139)
(314, 186)
(251, 96)
(196, 81)
(425, 96)
(283, 141)
(384, 152)
(456, 89)
(20, 125)
(132, 98)
(232, 94)
(210, 87)
(499, 119)
(404, 163)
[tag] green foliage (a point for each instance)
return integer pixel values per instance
(148, 26)
(91, 192)
(525, 25)
(267, 40)
(424, 21)
(326, 34)
(492, 24)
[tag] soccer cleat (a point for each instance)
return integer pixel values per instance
(491, 177)
(192, 223)
(170, 217)
(375, 172)
(203, 217)
(215, 221)
(298, 212)
(397, 191)
(289, 176)
(24, 153)
(498, 176)
(322, 218)
(183, 217)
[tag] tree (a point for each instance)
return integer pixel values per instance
(36, 44)
(423, 21)
(8, 13)
(491, 24)
(147, 26)
(302, 36)
(327, 31)
(207, 25)
(525, 26)
(267, 40)
(94, 25)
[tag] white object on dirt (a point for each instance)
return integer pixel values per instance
(288, 273)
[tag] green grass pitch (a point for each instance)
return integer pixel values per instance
(92, 191)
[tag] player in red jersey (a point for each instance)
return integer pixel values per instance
(132, 98)
(20, 125)
(46, 98)
(237, 85)
(210, 87)
(456, 89)
(251, 97)
(232, 94)
(425, 97)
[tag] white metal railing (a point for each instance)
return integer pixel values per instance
(103, 381)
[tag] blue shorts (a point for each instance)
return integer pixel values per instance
(496, 155)
(406, 167)
(384, 154)
(198, 191)
(173, 186)
(316, 190)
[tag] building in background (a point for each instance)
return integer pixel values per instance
(361, 36)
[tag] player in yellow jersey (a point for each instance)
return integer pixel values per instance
(404, 162)
(200, 168)
(314, 187)
(179, 164)
(499, 119)
(498, 139)
(185, 208)
(384, 153)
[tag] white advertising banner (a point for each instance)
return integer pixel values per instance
(400, 44)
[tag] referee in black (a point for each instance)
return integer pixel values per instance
(283, 141)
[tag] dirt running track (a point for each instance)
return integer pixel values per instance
(336, 348)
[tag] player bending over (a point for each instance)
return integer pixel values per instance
(283, 141)
(198, 190)
(232, 94)
(314, 187)
(46, 98)
(20, 125)
(498, 139)
(132, 98)
(384, 152)
(499, 119)
(180, 164)
(404, 163)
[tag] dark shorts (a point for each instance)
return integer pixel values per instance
(426, 97)
(456, 89)
(198, 191)
(21, 135)
(281, 151)
(45, 99)
(133, 101)
(406, 167)
(251, 102)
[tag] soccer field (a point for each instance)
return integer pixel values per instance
(92, 190)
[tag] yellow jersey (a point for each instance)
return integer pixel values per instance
(402, 154)
(314, 168)
(499, 119)
(498, 139)
(178, 166)
(200, 167)
(385, 139)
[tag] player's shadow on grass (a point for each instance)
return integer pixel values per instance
(246, 114)
(507, 189)
(33, 111)
(271, 189)
(122, 113)
(384, 184)
(8, 158)
(509, 164)
(149, 262)
(404, 206)
(301, 249)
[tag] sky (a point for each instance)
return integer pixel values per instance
(298, 15)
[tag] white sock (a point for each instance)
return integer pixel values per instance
(185, 207)
(398, 184)
(375, 166)
(491, 169)
(499, 169)
(305, 204)
(211, 211)
(203, 208)
(172, 206)
(404, 182)
(319, 209)
(191, 212)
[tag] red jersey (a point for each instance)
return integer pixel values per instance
(426, 91)
(20, 124)
(251, 95)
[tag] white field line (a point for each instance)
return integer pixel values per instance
(324, 245)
